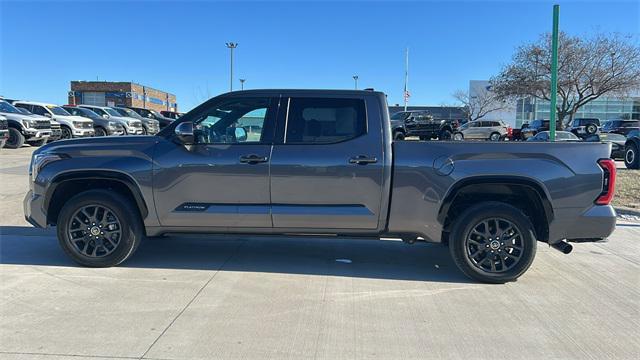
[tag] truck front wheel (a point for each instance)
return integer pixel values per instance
(97, 228)
(16, 139)
(492, 242)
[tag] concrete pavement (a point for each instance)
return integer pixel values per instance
(282, 298)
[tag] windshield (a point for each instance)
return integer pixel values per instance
(57, 110)
(112, 112)
(400, 115)
(8, 108)
(566, 135)
(129, 113)
(155, 113)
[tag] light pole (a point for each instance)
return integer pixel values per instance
(231, 46)
(242, 83)
(355, 78)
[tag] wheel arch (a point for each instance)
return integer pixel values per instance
(15, 124)
(523, 193)
(65, 185)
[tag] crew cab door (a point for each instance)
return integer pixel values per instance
(327, 164)
(223, 179)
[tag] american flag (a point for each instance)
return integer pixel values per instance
(406, 95)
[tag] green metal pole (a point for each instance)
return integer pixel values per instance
(554, 73)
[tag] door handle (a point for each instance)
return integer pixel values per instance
(253, 159)
(363, 160)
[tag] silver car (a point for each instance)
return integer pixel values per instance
(482, 130)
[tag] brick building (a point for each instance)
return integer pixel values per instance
(105, 93)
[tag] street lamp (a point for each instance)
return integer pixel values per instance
(613, 55)
(242, 83)
(231, 46)
(355, 78)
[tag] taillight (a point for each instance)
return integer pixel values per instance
(608, 181)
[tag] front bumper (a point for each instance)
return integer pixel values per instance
(4, 136)
(55, 134)
(115, 132)
(594, 224)
(134, 130)
(36, 134)
(33, 210)
(83, 133)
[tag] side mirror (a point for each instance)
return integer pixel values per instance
(47, 114)
(184, 133)
(241, 134)
(105, 116)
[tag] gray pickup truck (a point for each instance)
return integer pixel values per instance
(320, 162)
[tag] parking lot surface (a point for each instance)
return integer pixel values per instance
(240, 297)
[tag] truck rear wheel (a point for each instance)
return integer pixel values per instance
(492, 242)
(97, 228)
(631, 157)
(445, 134)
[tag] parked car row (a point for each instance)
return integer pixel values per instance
(36, 123)
(580, 127)
(621, 134)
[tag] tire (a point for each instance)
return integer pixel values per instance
(100, 131)
(66, 133)
(631, 157)
(127, 232)
(591, 129)
(37, 143)
(494, 136)
(398, 135)
(458, 136)
(445, 134)
(144, 131)
(465, 251)
(15, 140)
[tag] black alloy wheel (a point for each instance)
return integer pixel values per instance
(66, 133)
(94, 231)
(495, 245)
(492, 242)
(99, 228)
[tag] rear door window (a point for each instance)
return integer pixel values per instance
(324, 120)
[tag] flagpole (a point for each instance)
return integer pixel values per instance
(406, 79)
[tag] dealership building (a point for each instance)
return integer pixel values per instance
(527, 109)
(106, 93)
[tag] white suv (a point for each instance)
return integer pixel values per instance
(72, 126)
(131, 126)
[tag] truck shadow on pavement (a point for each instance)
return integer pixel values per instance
(393, 260)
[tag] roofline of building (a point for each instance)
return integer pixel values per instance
(121, 82)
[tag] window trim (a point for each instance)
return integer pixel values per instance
(286, 121)
(271, 113)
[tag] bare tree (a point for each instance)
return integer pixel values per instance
(479, 104)
(588, 68)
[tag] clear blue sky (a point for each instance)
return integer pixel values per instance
(179, 46)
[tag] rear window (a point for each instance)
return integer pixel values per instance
(324, 120)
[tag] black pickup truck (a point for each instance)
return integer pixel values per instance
(422, 124)
(310, 162)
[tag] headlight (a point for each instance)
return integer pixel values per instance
(39, 161)
(78, 124)
(111, 125)
(28, 123)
